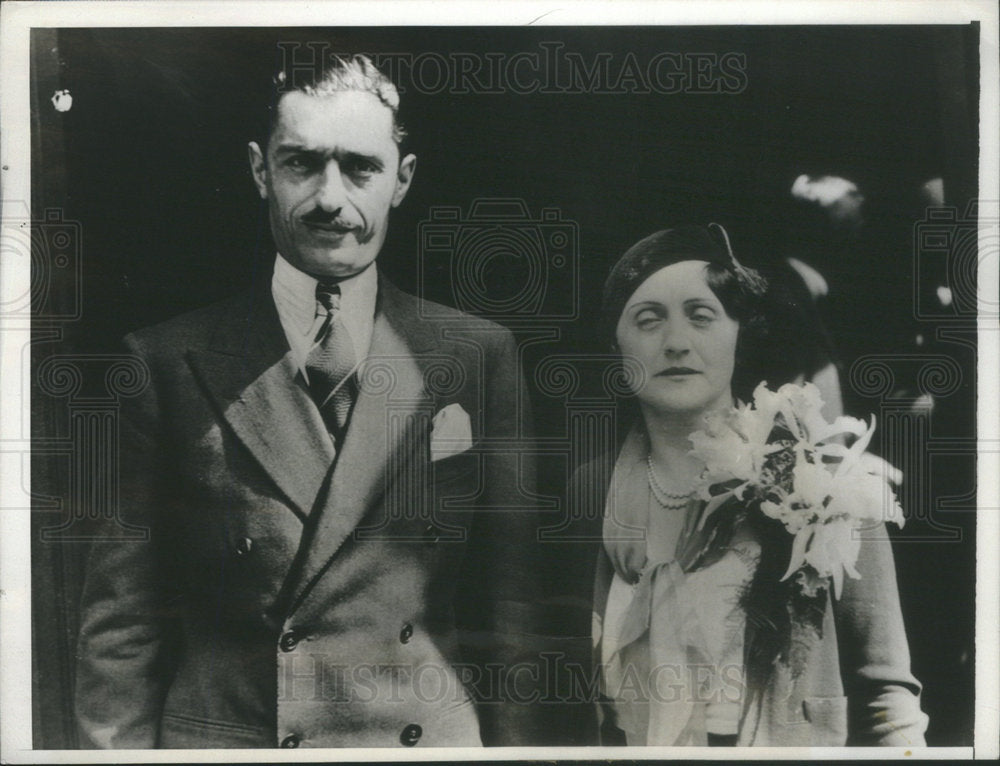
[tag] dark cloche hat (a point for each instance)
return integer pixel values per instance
(649, 255)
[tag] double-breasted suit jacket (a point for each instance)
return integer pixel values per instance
(290, 594)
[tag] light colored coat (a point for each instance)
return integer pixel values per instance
(856, 688)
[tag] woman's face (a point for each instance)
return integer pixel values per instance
(677, 329)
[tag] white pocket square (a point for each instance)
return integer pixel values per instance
(451, 432)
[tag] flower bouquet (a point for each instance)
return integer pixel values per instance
(781, 458)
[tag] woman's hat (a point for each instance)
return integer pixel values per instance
(649, 255)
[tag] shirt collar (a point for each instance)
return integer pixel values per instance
(297, 291)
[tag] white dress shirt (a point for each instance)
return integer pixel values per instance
(294, 295)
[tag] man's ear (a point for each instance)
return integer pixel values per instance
(404, 176)
(258, 166)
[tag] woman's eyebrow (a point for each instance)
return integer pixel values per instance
(650, 303)
(706, 301)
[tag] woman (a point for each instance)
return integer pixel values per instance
(694, 631)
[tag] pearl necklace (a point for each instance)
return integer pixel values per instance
(662, 496)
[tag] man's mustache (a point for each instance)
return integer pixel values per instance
(323, 218)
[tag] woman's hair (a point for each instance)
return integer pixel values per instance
(741, 293)
(740, 290)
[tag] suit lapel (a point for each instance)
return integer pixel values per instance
(249, 374)
(389, 424)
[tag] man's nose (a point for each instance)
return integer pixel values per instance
(332, 192)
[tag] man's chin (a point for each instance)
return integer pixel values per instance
(337, 264)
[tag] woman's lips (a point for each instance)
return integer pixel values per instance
(677, 372)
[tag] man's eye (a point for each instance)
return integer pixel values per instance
(298, 163)
(360, 168)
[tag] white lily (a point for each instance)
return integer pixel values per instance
(822, 497)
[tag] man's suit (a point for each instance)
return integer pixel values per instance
(292, 596)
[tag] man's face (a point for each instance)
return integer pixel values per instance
(331, 175)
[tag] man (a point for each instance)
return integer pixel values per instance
(311, 461)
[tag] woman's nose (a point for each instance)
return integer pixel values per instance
(675, 339)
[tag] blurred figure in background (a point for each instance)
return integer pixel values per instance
(851, 243)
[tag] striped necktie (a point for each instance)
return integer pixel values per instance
(331, 362)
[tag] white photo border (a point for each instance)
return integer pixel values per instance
(18, 18)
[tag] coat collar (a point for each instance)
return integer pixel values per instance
(248, 371)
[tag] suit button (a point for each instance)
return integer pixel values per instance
(288, 641)
(291, 740)
(406, 634)
(411, 735)
(243, 546)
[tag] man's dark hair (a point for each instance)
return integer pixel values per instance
(350, 73)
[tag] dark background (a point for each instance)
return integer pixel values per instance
(151, 161)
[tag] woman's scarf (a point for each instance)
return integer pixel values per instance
(680, 641)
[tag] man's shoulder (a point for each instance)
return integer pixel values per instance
(453, 317)
(196, 328)
(447, 321)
